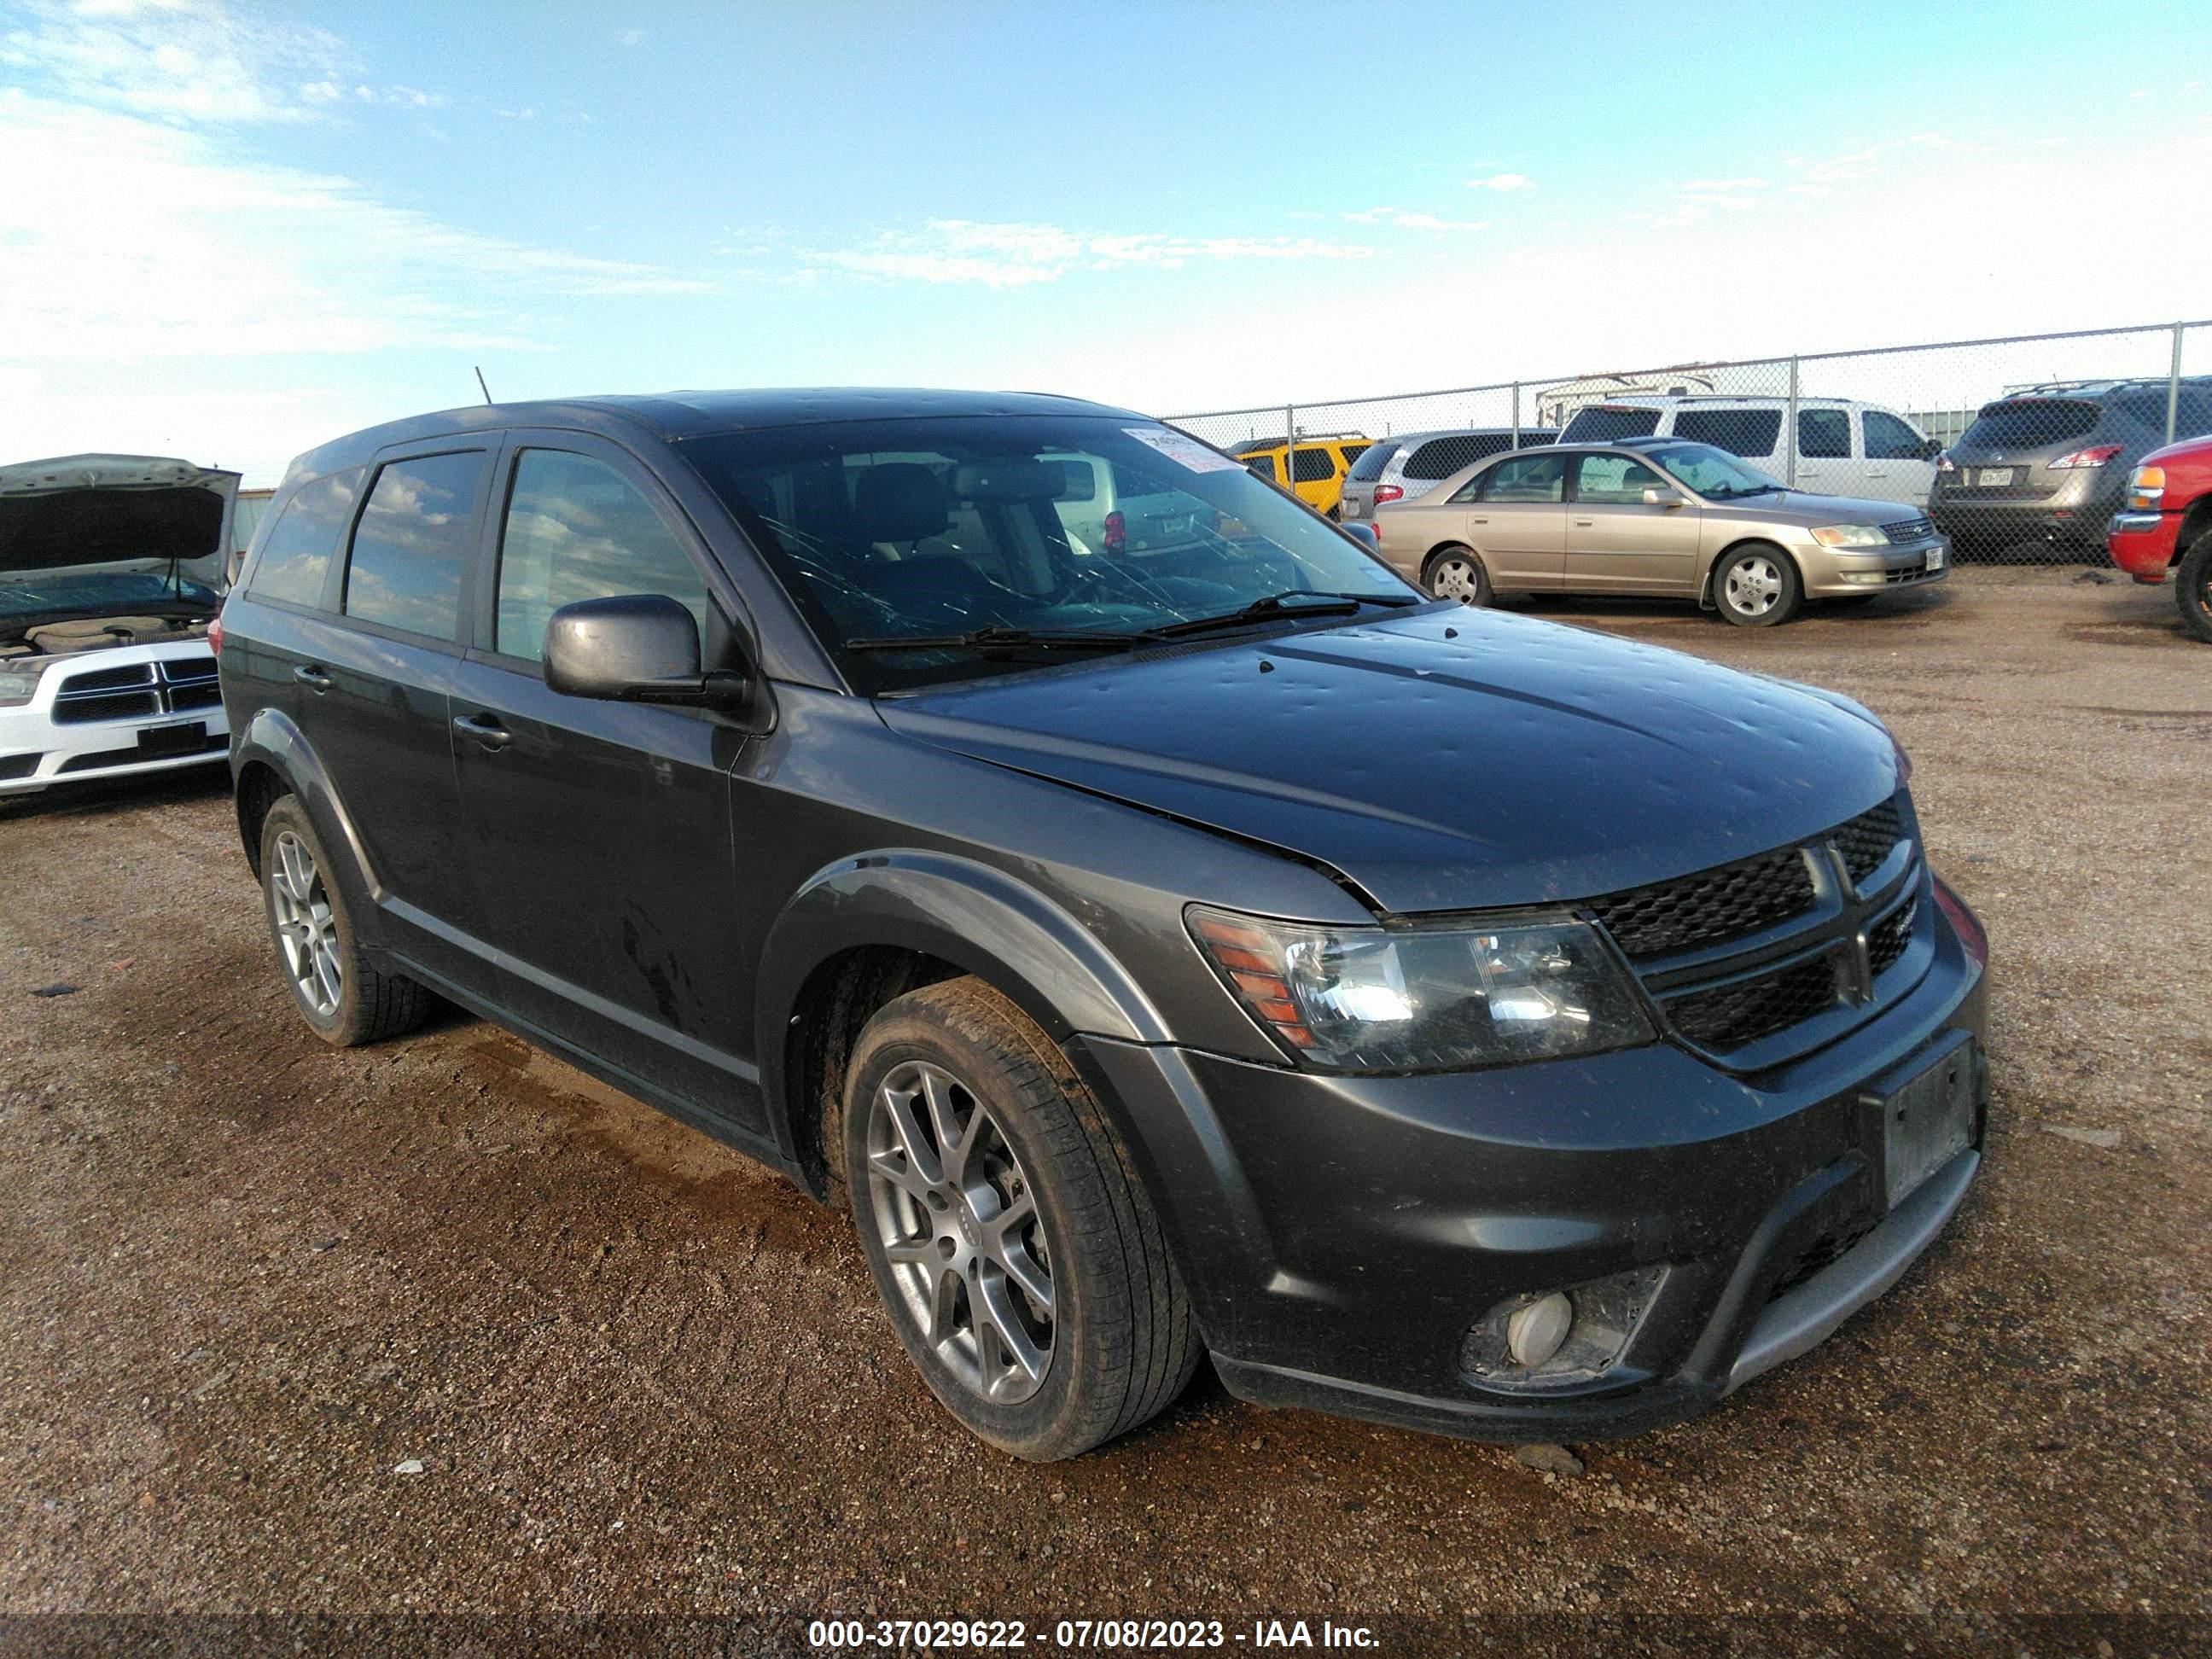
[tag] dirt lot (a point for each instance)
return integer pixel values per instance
(247, 1278)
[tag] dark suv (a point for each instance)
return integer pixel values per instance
(2046, 468)
(1449, 1018)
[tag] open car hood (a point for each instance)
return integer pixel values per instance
(79, 510)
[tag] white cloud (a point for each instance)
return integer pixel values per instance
(1502, 181)
(191, 61)
(630, 37)
(1017, 255)
(1399, 219)
(122, 239)
(1711, 187)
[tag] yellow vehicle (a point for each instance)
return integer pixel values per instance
(1321, 461)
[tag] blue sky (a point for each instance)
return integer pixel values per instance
(234, 230)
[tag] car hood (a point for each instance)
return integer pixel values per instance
(1803, 506)
(1445, 759)
(81, 510)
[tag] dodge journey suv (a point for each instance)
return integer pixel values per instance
(1207, 944)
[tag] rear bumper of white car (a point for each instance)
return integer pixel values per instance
(111, 713)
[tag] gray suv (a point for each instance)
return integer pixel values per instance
(1407, 467)
(2047, 467)
(1212, 947)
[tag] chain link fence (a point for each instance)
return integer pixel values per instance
(2019, 448)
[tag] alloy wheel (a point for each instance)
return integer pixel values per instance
(958, 1219)
(307, 927)
(1754, 586)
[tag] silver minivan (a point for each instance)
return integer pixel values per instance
(1407, 467)
(1843, 448)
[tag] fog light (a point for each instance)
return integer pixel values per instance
(1863, 576)
(1549, 1341)
(1534, 1332)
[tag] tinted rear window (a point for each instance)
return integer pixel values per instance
(1739, 431)
(295, 564)
(1601, 423)
(1372, 460)
(413, 538)
(1440, 458)
(2031, 422)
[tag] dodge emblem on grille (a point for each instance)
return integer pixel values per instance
(1855, 963)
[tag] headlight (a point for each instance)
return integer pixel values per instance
(1852, 535)
(19, 680)
(1424, 999)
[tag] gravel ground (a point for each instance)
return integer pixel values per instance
(251, 1284)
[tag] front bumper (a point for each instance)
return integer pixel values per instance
(1831, 573)
(1340, 1235)
(2142, 543)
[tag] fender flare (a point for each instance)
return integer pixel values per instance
(965, 912)
(272, 738)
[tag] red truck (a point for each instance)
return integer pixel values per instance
(2166, 528)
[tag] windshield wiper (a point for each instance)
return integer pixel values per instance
(1277, 606)
(1003, 639)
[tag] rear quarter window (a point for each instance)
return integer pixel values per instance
(1440, 458)
(1740, 431)
(294, 566)
(1372, 459)
(1314, 466)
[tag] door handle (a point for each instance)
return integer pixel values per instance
(313, 675)
(1478, 521)
(1583, 524)
(490, 734)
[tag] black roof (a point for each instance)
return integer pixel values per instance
(672, 416)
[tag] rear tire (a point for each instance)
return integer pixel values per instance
(2193, 587)
(1757, 587)
(1457, 573)
(345, 999)
(1051, 1333)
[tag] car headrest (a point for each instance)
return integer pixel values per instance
(899, 501)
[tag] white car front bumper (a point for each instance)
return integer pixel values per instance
(110, 713)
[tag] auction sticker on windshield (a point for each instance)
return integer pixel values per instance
(1184, 452)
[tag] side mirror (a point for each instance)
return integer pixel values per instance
(1364, 533)
(638, 648)
(1665, 498)
(1928, 450)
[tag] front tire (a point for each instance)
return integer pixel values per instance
(345, 999)
(1020, 1259)
(1457, 573)
(2193, 587)
(1757, 587)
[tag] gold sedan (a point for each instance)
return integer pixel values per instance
(1654, 518)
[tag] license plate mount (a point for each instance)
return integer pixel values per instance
(1936, 557)
(166, 742)
(1996, 477)
(1927, 1119)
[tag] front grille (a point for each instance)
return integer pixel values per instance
(141, 691)
(1735, 900)
(1728, 1002)
(1736, 1016)
(1725, 903)
(1866, 841)
(205, 694)
(107, 679)
(107, 706)
(1886, 938)
(1910, 530)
